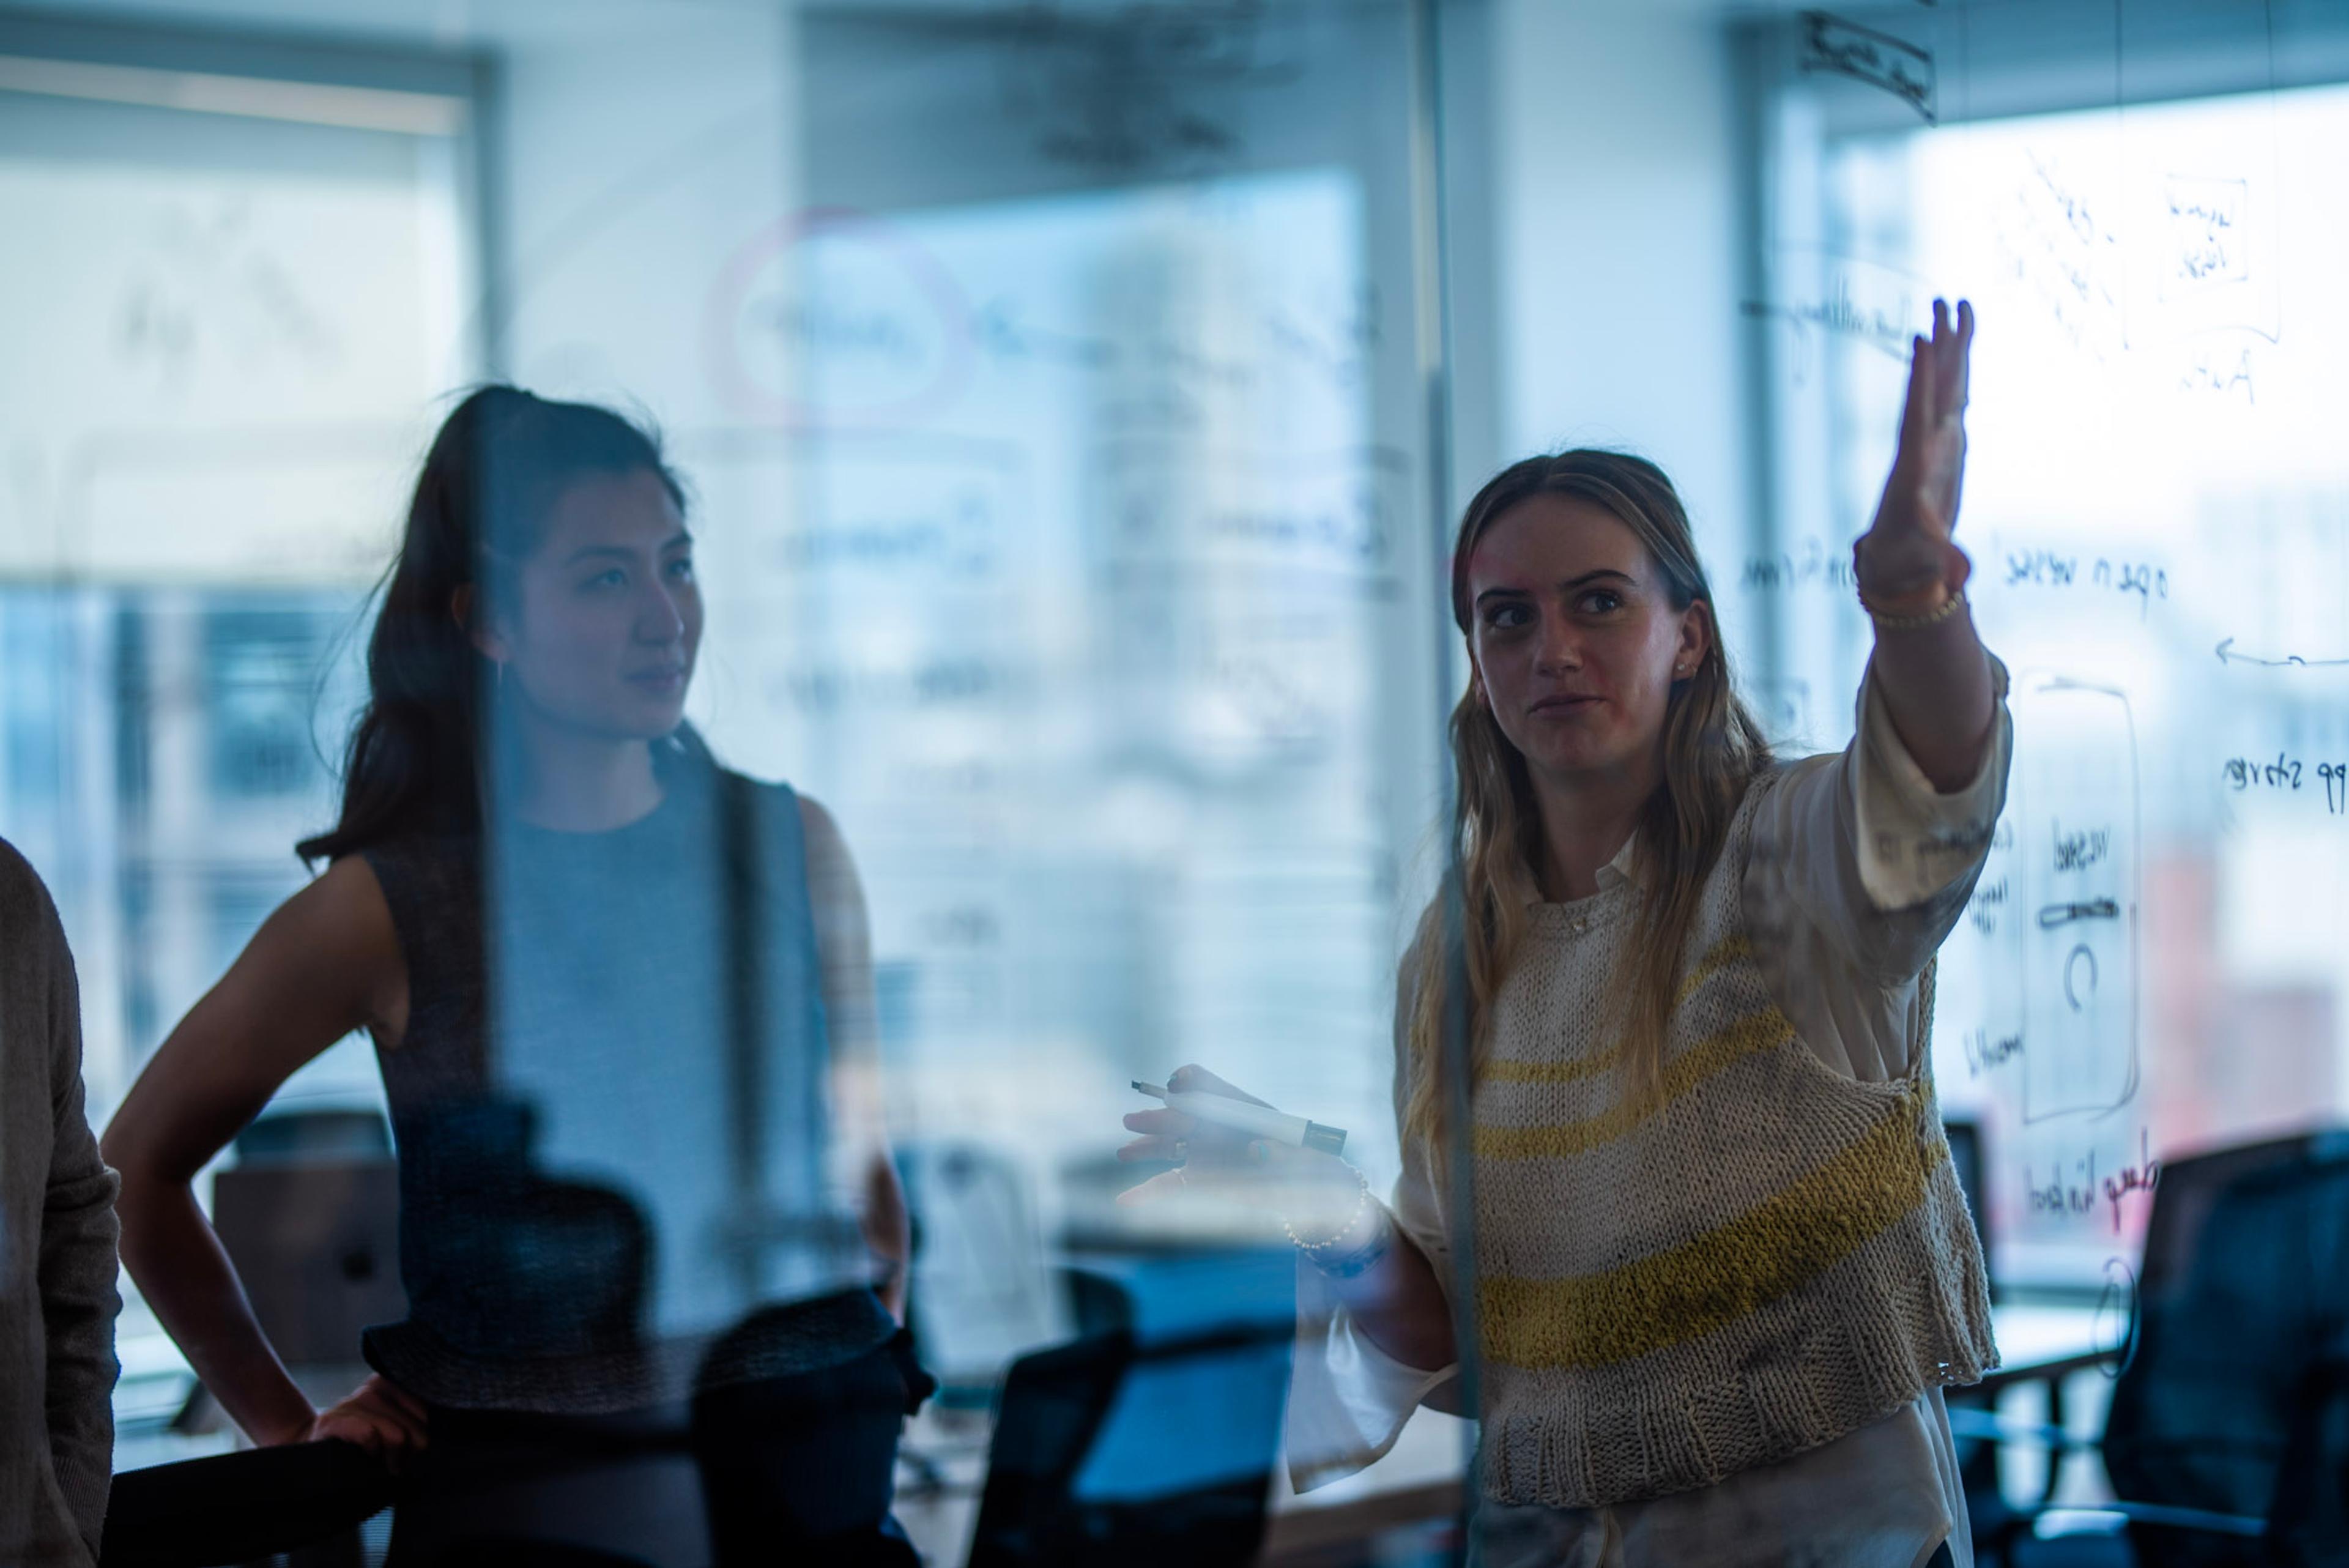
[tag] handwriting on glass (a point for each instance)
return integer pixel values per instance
(1885, 329)
(1985, 1052)
(1848, 49)
(2206, 220)
(1989, 898)
(2051, 569)
(2081, 849)
(2054, 241)
(2078, 1195)
(1817, 565)
(2211, 371)
(2287, 774)
(2142, 1177)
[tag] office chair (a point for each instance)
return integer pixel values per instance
(310, 1215)
(2228, 1437)
(238, 1508)
(1152, 1443)
(980, 1291)
(1972, 1409)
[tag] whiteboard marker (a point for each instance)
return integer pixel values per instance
(1243, 1116)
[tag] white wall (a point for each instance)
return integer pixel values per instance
(639, 162)
(1615, 196)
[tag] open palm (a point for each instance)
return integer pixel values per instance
(1907, 549)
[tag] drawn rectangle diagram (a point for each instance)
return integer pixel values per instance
(2075, 814)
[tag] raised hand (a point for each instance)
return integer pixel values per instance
(1907, 556)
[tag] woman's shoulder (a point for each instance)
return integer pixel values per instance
(413, 866)
(771, 800)
(802, 819)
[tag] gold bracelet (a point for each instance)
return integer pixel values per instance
(1934, 616)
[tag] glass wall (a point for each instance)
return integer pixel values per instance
(983, 641)
(2150, 965)
(1047, 393)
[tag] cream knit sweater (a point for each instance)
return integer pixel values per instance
(1770, 1256)
(1843, 875)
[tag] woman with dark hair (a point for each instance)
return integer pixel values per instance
(622, 1001)
(1683, 991)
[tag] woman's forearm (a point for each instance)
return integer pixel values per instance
(185, 1275)
(1936, 682)
(1400, 1305)
(888, 1232)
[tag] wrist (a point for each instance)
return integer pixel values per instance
(283, 1433)
(290, 1419)
(1912, 586)
(1322, 1221)
(1915, 612)
(1359, 1247)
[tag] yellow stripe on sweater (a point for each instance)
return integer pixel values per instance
(1724, 953)
(1726, 1274)
(1716, 1053)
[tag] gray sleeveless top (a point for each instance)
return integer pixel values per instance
(610, 1107)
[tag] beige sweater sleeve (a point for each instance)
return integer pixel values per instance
(1856, 871)
(58, 1268)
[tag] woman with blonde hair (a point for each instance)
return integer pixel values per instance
(1722, 1268)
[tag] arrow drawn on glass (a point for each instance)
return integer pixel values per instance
(2289, 661)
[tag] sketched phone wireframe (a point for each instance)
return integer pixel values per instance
(2074, 806)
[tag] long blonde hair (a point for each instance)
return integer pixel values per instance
(1469, 936)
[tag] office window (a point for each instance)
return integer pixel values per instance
(2158, 509)
(227, 329)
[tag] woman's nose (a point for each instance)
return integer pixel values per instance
(660, 619)
(1559, 647)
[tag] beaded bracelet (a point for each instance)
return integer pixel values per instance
(1361, 1258)
(1940, 612)
(1346, 1265)
(1362, 1202)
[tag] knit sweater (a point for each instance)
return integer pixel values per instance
(1766, 1256)
(1856, 867)
(57, 1298)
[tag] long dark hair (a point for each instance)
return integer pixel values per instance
(1713, 749)
(493, 472)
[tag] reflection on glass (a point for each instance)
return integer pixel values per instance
(622, 1000)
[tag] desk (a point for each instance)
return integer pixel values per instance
(2034, 1335)
(1419, 1480)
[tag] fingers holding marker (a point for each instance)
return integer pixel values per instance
(1173, 1124)
(1149, 1149)
(1192, 1079)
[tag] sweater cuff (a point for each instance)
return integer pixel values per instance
(1913, 841)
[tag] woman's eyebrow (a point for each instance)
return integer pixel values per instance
(1503, 594)
(622, 552)
(1572, 582)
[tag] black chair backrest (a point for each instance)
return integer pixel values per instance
(1966, 1159)
(239, 1507)
(317, 1244)
(2242, 1301)
(1107, 1450)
